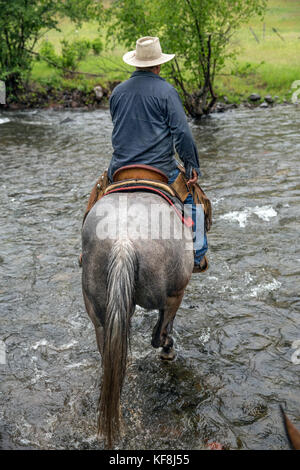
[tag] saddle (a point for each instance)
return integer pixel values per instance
(147, 178)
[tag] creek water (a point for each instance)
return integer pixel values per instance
(235, 331)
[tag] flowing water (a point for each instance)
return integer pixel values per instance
(235, 331)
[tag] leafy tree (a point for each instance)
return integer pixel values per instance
(198, 31)
(23, 22)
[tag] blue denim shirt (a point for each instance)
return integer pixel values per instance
(149, 121)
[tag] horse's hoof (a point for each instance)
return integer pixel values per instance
(167, 355)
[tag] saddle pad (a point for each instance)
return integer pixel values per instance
(172, 200)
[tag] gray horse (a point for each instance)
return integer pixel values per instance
(136, 251)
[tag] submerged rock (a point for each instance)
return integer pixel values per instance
(222, 107)
(65, 121)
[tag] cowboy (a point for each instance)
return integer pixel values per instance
(149, 121)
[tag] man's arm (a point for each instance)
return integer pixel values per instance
(182, 136)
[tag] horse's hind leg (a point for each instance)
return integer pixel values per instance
(99, 330)
(161, 336)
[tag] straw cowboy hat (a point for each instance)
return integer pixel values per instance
(148, 53)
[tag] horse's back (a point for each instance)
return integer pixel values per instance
(162, 244)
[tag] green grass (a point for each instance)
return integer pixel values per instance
(273, 63)
(280, 59)
(109, 65)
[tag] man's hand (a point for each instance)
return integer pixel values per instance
(193, 180)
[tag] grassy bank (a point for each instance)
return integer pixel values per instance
(267, 61)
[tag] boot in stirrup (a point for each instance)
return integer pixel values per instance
(202, 267)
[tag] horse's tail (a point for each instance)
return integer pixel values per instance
(122, 269)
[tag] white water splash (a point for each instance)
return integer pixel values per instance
(63, 347)
(43, 342)
(240, 217)
(263, 288)
(216, 201)
(265, 213)
(204, 337)
(76, 365)
(4, 120)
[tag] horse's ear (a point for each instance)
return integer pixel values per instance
(292, 433)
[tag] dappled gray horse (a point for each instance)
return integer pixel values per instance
(136, 251)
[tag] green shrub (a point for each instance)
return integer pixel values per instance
(71, 54)
(97, 46)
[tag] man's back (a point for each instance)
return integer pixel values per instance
(149, 120)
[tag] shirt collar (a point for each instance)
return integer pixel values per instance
(139, 73)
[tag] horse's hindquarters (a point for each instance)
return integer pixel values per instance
(163, 244)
